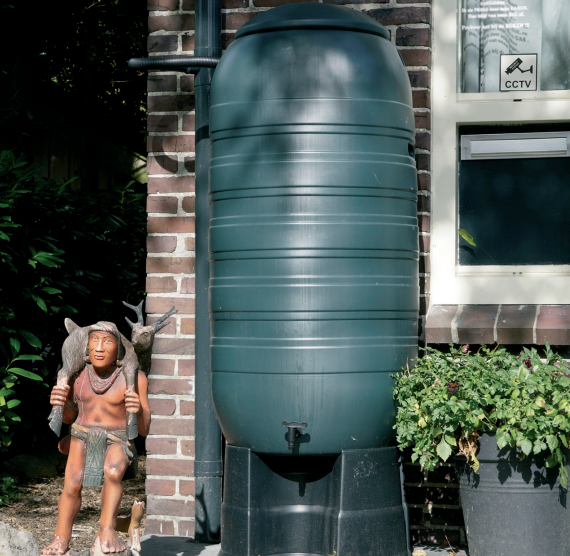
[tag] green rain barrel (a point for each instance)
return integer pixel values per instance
(314, 290)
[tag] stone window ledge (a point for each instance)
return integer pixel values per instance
(502, 324)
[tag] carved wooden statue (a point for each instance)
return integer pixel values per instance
(101, 390)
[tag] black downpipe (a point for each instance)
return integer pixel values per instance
(208, 458)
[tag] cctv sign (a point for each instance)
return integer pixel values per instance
(518, 72)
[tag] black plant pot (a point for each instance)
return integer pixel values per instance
(513, 507)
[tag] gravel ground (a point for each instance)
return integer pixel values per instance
(36, 509)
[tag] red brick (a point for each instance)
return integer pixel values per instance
(165, 506)
(155, 5)
(161, 244)
(164, 367)
(161, 446)
(187, 83)
(401, 16)
(515, 324)
(415, 56)
(187, 447)
(187, 407)
(170, 224)
(170, 143)
(162, 407)
(174, 346)
(188, 285)
(161, 305)
(176, 427)
(188, 43)
(424, 264)
(553, 325)
(190, 164)
(275, 3)
(189, 204)
(176, 184)
(158, 526)
(236, 20)
(423, 203)
(172, 467)
(186, 528)
(158, 82)
(188, 5)
(438, 324)
(189, 245)
(422, 120)
(162, 123)
(162, 284)
(229, 4)
(170, 265)
(424, 182)
(413, 37)
(162, 164)
(475, 324)
(165, 386)
(186, 367)
(423, 140)
(162, 204)
(162, 43)
(421, 99)
(171, 103)
(187, 326)
(422, 161)
(169, 329)
(189, 122)
(423, 223)
(227, 39)
(161, 487)
(186, 488)
(424, 244)
(182, 22)
(419, 78)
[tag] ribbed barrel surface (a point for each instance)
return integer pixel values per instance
(313, 237)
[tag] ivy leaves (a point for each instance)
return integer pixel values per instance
(449, 399)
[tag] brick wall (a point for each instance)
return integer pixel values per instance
(170, 266)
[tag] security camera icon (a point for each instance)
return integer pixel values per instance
(516, 65)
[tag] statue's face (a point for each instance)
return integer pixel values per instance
(102, 350)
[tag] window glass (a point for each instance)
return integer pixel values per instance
(514, 45)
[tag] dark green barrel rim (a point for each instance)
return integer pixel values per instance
(313, 16)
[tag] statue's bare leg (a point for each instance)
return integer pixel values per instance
(132, 524)
(111, 494)
(70, 499)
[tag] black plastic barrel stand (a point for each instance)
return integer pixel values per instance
(345, 505)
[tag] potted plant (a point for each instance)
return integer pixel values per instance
(507, 418)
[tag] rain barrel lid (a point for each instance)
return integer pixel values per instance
(311, 15)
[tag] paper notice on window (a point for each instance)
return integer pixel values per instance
(492, 28)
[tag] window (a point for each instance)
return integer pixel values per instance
(517, 208)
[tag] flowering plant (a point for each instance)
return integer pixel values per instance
(447, 400)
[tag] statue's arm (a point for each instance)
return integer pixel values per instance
(143, 415)
(63, 396)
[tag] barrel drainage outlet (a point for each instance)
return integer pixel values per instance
(294, 431)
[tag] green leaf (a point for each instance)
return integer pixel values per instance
(51, 290)
(443, 450)
(450, 439)
(13, 403)
(15, 345)
(23, 372)
(41, 303)
(28, 358)
(467, 237)
(6, 392)
(526, 446)
(30, 338)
